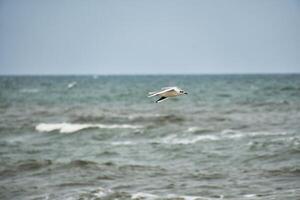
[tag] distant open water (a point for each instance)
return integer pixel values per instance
(100, 137)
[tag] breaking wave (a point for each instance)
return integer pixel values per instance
(102, 193)
(176, 139)
(230, 133)
(199, 130)
(223, 135)
(71, 128)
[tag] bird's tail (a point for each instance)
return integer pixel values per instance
(151, 94)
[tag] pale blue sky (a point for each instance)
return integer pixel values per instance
(149, 37)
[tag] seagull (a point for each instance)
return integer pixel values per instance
(167, 92)
(72, 84)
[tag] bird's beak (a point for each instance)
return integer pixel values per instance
(185, 93)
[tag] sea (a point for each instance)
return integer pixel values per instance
(99, 137)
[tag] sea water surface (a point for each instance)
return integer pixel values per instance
(101, 137)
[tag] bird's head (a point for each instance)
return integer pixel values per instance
(182, 92)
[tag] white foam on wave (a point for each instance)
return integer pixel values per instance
(236, 134)
(229, 133)
(142, 195)
(174, 139)
(223, 135)
(125, 143)
(103, 193)
(193, 129)
(71, 128)
(250, 195)
(189, 197)
(148, 196)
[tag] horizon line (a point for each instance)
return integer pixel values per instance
(157, 74)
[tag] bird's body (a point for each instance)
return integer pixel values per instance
(167, 92)
(72, 84)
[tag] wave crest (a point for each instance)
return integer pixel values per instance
(71, 128)
(102, 193)
(174, 139)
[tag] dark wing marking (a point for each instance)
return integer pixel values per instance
(161, 99)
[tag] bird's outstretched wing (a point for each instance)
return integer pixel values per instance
(152, 94)
(161, 99)
(166, 88)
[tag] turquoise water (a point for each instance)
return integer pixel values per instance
(231, 137)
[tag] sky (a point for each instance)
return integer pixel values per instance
(42, 37)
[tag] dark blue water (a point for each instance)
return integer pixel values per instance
(101, 137)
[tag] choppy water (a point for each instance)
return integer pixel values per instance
(85, 137)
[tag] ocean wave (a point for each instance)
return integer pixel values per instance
(34, 165)
(29, 90)
(250, 195)
(222, 135)
(25, 165)
(102, 193)
(199, 130)
(174, 139)
(71, 128)
(230, 133)
(171, 139)
(227, 134)
(125, 143)
(293, 171)
(157, 118)
(128, 118)
(289, 88)
(82, 163)
(88, 118)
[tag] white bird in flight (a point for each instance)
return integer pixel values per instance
(72, 84)
(167, 92)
